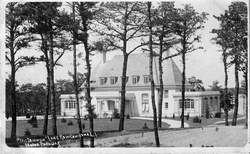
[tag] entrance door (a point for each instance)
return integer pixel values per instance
(128, 108)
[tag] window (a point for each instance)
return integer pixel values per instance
(145, 102)
(189, 103)
(70, 104)
(103, 81)
(111, 105)
(146, 78)
(135, 79)
(166, 105)
(113, 80)
(165, 93)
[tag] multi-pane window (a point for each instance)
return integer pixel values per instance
(166, 105)
(135, 79)
(70, 104)
(113, 80)
(146, 78)
(165, 93)
(111, 105)
(145, 102)
(189, 103)
(103, 81)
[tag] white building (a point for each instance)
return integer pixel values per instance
(106, 95)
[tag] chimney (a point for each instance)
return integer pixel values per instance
(103, 57)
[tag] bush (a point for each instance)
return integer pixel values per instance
(63, 120)
(105, 114)
(218, 115)
(116, 114)
(70, 123)
(128, 116)
(27, 115)
(27, 132)
(85, 117)
(32, 120)
(196, 119)
(34, 124)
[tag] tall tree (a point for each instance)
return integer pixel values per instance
(222, 40)
(86, 15)
(197, 84)
(16, 39)
(163, 39)
(186, 24)
(235, 22)
(121, 23)
(47, 23)
(215, 86)
(157, 141)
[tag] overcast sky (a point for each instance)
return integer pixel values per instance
(203, 64)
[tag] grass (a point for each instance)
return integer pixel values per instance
(100, 125)
(209, 121)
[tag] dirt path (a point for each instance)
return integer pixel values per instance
(232, 136)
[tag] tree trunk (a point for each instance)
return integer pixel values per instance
(88, 96)
(183, 89)
(13, 86)
(161, 89)
(124, 75)
(246, 81)
(13, 95)
(48, 102)
(157, 141)
(237, 92)
(225, 90)
(123, 92)
(52, 86)
(75, 80)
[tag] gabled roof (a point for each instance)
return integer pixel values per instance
(138, 65)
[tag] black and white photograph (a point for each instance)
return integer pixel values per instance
(124, 76)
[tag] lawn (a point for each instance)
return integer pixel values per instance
(100, 125)
(209, 121)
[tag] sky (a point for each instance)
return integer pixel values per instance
(204, 64)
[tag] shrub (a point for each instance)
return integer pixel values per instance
(218, 115)
(34, 124)
(116, 114)
(85, 117)
(27, 115)
(128, 116)
(145, 126)
(196, 119)
(70, 123)
(63, 120)
(105, 114)
(32, 120)
(27, 132)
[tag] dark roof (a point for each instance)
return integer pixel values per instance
(138, 65)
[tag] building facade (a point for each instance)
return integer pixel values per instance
(106, 94)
